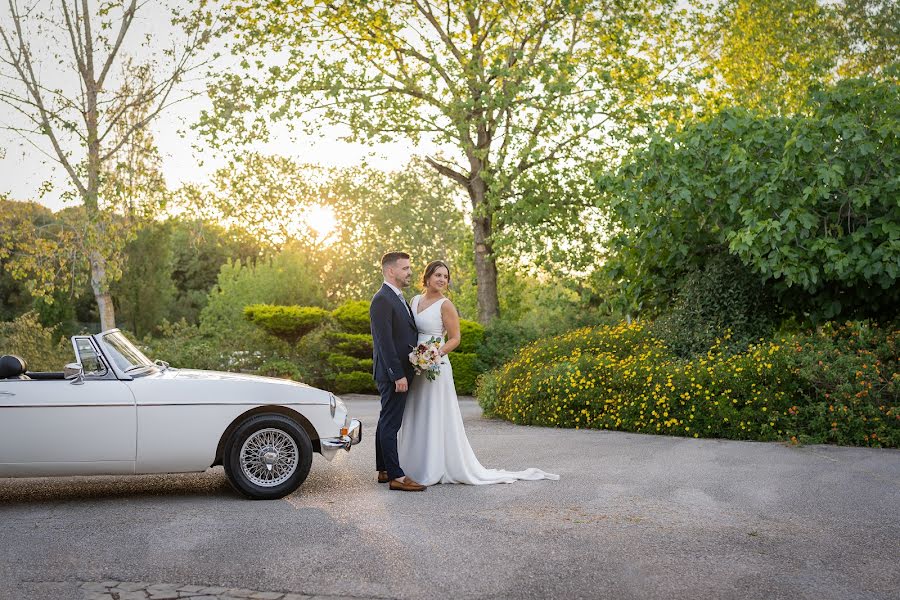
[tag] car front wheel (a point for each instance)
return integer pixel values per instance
(268, 457)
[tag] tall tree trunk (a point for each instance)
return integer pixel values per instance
(99, 282)
(101, 292)
(485, 267)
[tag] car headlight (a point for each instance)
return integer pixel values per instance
(333, 404)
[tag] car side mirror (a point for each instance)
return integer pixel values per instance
(74, 372)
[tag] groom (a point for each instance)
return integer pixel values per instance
(394, 335)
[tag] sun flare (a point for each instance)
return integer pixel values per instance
(318, 222)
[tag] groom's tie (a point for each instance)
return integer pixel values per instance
(406, 304)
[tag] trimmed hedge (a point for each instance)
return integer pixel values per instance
(289, 323)
(353, 316)
(342, 362)
(357, 345)
(354, 382)
(838, 385)
(464, 372)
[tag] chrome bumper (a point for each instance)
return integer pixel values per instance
(353, 435)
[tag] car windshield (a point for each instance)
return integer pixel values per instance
(122, 352)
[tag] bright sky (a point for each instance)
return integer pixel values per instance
(24, 169)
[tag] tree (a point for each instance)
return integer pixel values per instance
(90, 115)
(413, 210)
(510, 90)
(869, 32)
(145, 293)
(273, 198)
(766, 55)
(807, 203)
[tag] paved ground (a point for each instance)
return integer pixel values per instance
(633, 516)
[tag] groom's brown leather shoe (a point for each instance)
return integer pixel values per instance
(382, 477)
(407, 486)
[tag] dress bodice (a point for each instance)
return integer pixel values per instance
(429, 321)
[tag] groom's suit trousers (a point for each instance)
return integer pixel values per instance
(389, 421)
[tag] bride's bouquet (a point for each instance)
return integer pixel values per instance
(426, 358)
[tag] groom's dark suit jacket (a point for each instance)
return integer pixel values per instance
(394, 335)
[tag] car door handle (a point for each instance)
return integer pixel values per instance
(7, 394)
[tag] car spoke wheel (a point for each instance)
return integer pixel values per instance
(269, 457)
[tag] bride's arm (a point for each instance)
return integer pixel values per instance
(451, 323)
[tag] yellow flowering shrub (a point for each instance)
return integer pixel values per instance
(623, 378)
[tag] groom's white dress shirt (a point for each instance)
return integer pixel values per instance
(396, 290)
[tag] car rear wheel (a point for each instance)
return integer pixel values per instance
(268, 457)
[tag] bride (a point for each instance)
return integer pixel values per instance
(433, 447)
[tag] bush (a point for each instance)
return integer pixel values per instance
(358, 345)
(184, 346)
(721, 297)
(471, 336)
(279, 367)
(624, 378)
(365, 364)
(355, 382)
(353, 317)
(42, 348)
(313, 352)
(341, 362)
(288, 279)
(850, 385)
(289, 323)
(501, 341)
(464, 372)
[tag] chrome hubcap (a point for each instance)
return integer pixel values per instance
(269, 457)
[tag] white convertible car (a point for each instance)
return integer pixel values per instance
(114, 411)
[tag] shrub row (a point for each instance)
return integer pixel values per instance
(837, 385)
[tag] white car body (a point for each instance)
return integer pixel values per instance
(163, 420)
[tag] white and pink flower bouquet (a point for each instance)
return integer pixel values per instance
(426, 358)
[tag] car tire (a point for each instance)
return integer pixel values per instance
(267, 457)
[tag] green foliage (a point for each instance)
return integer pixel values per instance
(41, 347)
(342, 362)
(502, 341)
(471, 336)
(145, 293)
(313, 352)
(520, 95)
(289, 323)
(183, 345)
(849, 383)
(413, 209)
(281, 368)
(464, 372)
(813, 42)
(747, 36)
(721, 298)
(807, 203)
(358, 345)
(353, 316)
(355, 382)
(782, 389)
(199, 249)
(287, 278)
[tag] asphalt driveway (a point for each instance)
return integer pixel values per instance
(633, 516)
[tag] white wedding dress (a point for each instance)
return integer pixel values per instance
(432, 443)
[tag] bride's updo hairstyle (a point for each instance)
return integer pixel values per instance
(431, 268)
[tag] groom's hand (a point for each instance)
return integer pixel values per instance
(401, 385)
